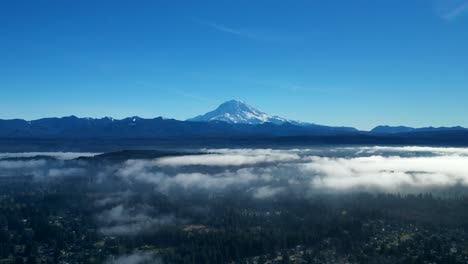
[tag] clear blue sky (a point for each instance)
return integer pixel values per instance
(357, 63)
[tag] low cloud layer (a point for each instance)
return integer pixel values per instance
(387, 173)
(21, 164)
(412, 149)
(135, 258)
(264, 173)
(121, 220)
(253, 173)
(226, 157)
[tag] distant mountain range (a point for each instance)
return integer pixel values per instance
(232, 119)
(404, 129)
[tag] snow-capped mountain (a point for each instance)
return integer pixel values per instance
(239, 112)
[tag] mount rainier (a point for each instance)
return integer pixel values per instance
(239, 112)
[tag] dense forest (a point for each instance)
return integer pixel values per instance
(58, 222)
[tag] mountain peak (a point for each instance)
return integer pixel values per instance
(238, 112)
(234, 101)
(237, 106)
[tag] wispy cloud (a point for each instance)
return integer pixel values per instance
(120, 220)
(223, 28)
(249, 33)
(456, 10)
(135, 258)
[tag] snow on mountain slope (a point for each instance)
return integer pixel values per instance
(238, 112)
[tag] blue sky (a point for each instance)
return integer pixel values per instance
(357, 63)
